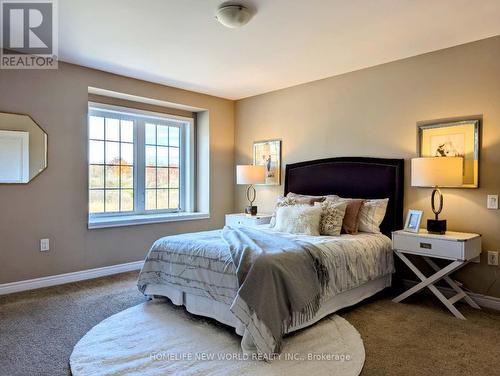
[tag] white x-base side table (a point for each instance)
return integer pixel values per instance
(459, 247)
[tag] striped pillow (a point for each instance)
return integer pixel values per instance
(372, 214)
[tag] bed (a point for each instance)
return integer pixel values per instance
(205, 279)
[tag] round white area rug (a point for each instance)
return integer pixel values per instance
(155, 338)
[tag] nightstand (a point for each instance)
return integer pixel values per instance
(458, 247)
(241, 219)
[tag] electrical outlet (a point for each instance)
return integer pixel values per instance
(44, 245)
(492, 202)
(492, 258)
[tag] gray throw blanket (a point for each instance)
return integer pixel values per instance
(281, 283)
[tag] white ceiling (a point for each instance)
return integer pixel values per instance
(288, 42)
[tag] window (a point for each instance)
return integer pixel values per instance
(111, 164)
(162, 166)
(140, 163)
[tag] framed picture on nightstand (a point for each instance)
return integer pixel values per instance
(413, 219)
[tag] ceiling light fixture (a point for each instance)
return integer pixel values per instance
(233, 16)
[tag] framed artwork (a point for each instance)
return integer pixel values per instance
(268, 153)
(413, 219)
(453, 139)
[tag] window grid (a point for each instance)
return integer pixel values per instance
(168, 168)
(120, 164)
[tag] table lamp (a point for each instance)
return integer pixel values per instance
(250, 174)
(437, 172)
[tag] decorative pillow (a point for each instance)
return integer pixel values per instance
(372, 214)
(299, 219)
(332, 197)
(280, 202)
(351, 217)
(332, 215)
(305, 199)
(294, 199)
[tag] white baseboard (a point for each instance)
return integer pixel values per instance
(482, 300)
(59, 279)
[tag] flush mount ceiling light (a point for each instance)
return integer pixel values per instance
(233, 16)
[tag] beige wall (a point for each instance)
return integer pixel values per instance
(373, 112)
(54, 205)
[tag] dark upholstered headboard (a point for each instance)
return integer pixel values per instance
(353, 177)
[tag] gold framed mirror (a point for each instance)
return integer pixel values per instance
(23, 148)
(456, 138)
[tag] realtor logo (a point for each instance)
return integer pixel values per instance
(29, 34)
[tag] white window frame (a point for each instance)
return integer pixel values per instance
(186, 169)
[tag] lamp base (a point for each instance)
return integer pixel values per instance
(436, 226)
(251, 210)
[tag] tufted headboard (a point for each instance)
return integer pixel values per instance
(353, 177)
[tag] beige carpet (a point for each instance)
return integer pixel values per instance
(421, 337)
(38, 330)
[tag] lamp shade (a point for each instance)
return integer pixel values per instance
(437, 171)
(250, 174)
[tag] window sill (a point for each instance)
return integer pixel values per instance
(133, 220)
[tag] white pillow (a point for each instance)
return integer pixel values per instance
(372, 214)
(282, 201)
(299, 219)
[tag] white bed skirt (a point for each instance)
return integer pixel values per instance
(199, 305)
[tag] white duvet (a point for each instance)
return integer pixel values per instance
(204, 267)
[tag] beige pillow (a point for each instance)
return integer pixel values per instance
(350, 223)
(299, 219)
(305, 199)
(372, 214)
(332, 216)
(332, 197)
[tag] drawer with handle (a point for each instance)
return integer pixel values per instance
(437, 247)
(237, 220)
